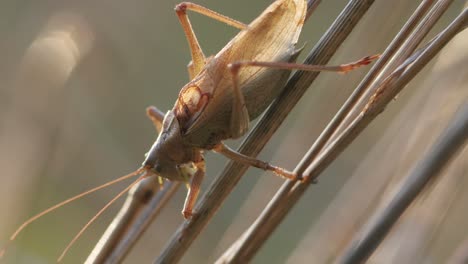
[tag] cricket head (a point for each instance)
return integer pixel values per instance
(167, 152)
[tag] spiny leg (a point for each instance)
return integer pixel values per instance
(156, 117)
(194, 188)
(198, 58)
(239, 121)
(210, 13)
(236, 156)
(343, 68)
(240, 117)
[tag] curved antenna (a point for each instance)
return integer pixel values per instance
(78, 235)
(69, 200)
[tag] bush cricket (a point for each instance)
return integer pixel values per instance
(225, 92)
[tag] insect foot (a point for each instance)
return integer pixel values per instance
(362, 62)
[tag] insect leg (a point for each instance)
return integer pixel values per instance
(343, 68)
(239, 115)
(240, 119)
(194, 189)
(191, 70)
(210, 13)
(236, 156)
(156, 117)
(198, 58)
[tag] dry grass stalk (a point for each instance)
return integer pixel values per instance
(448, 144)
(326, 148)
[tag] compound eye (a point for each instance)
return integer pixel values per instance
(157, 168)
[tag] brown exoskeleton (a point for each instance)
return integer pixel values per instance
(228, 90)
(225, 92)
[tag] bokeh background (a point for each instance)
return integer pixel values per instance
(76, 77)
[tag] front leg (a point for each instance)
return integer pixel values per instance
(194, 188)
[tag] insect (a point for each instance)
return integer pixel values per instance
(228, 90)
(225, 92)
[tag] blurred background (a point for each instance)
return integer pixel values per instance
(76, 77)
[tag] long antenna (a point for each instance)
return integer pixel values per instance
(78, 235)
(69, 200)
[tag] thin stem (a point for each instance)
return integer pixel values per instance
(438, 157)
(311, 6)
(143, 205)
(287, 196)
(410, 43)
